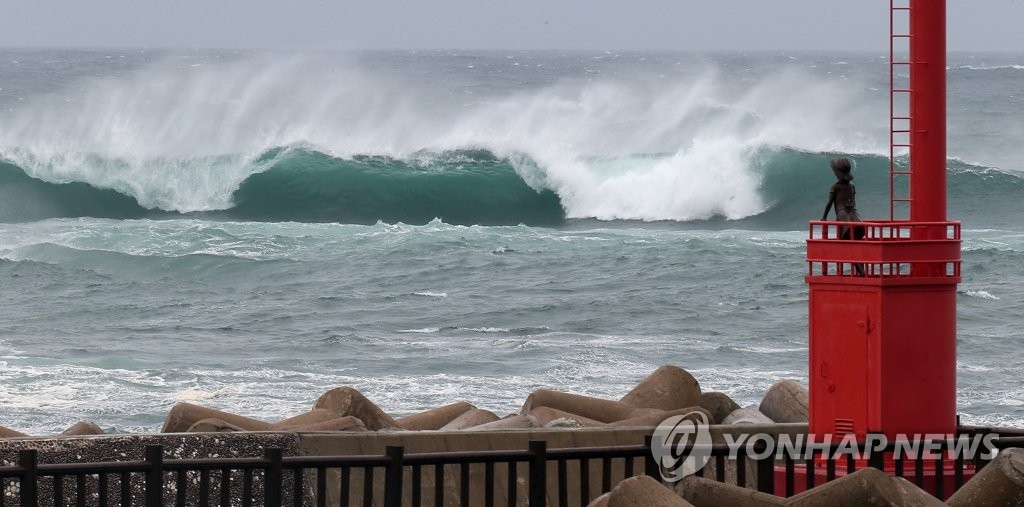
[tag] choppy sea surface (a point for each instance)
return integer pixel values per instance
(247, 230)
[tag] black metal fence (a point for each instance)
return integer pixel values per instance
(535, 476)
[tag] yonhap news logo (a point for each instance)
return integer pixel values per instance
(681, 445)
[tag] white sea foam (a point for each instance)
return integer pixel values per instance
(991, 67)
(771, 350)
(7, 351)
(194, 394)
(45, 396)
(744, 385)
(980, 294)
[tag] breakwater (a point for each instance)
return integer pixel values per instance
(668, 391)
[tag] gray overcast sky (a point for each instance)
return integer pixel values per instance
(973, 25)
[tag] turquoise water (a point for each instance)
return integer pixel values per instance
(247, 231)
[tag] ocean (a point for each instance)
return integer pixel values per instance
(247, 230)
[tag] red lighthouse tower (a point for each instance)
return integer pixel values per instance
(883, 345)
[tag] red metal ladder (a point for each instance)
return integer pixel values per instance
(900, 91)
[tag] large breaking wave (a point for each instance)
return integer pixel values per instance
(477, 187)
(288, 138)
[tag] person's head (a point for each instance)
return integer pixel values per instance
(842, 169)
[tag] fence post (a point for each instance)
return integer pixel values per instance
(154, 475)
(765, 468)
(273, 477)
(28, 459)
(393, 477)
(651, 467)
(538, 473)
(875, 459)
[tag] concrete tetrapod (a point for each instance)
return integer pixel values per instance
(335, 423)
(865, 487)
(512, 422)
(470, 418)
(348, 401)
(719, 405)
(912, 495)
(184, 415)
(598, 409)
(9, 433)
(747, 416)
(315, 416)
(643, 491)
(657, 416)
(786, 402)
(82, 428)
(601, 501)
(548, 415)
(343, 423)
(1001, 482)
(703, 492)
(667, 388)
(435, 418)
(212, 425)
